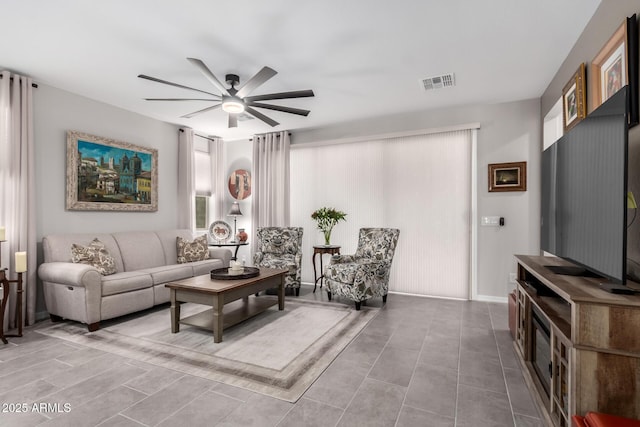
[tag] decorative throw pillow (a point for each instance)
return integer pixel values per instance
(96, 255)
(197, 250)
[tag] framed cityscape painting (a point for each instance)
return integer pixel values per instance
(108, 175)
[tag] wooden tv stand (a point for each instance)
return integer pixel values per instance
(594, 340)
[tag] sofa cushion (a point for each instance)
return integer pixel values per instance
(168, 273)
(95, 255)
(57, 247)
(205, 267)
(190, 251)
(125, 282)
(120, 304)
(168, 241)
(271, 260)
(140, 250)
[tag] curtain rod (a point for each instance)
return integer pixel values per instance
(202, 136)
(277, 136)
(11, 79)
(211, 139)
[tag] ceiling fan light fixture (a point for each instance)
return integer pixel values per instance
(233, 105)
(236, 102)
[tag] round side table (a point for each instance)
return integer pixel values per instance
(236, 244)
(322, 249)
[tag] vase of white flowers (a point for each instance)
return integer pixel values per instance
(327, 218)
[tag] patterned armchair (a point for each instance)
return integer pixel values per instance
(281, 247)
(365, 274)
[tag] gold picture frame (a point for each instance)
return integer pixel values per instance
(609, 68)
(108, 175)
(508, 176)
(574, 106)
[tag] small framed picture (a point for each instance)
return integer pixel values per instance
(508, 176)
(609, 67)
(573, 99)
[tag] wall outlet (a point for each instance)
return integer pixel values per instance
(490, 221)
(512, 277)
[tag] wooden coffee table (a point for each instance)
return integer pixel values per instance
(217, 293)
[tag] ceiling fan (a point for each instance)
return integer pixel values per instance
(236, 101)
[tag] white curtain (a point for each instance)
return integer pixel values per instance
(216, 152)
(186, 180)
(270, 176)
(17, 188)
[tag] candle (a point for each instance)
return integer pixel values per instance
(21, 262)
(2, 234)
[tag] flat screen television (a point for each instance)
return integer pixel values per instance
(584, 193)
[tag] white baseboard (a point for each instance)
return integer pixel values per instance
(426, 296)
(42, 315)
(482, 298)
(489, 298)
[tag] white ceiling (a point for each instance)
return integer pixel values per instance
(362, 58)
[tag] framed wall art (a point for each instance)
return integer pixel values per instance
(240, 184)
(574, 108)
(508, 176)
(615, 66)
(108, 175)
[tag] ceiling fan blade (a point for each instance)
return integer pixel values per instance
(233, 120)
(290, 110)
(262, 76)
(208, 74)
(181, 99)
(204, 110)
(261, 116)
(154, 79)
(281, 95)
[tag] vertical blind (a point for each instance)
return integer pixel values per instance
(419, 184)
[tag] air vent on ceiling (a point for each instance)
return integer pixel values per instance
(438, 82)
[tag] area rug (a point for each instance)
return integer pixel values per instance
(276, 353)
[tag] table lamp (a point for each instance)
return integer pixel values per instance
(235, 213)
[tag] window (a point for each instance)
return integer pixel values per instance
(202, 212)
(202, 182)
(420, 184)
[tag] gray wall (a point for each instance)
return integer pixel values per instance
(239, 156)
(55, 112)
(509, 132)
(608, 17)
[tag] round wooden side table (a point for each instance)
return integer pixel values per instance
(236, 244)
(322, 249)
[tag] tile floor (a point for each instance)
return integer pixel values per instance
(420, 362)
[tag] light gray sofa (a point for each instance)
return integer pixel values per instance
(145, 261)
